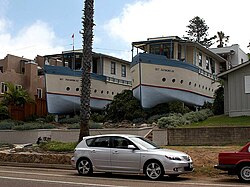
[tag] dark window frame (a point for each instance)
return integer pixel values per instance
(113, 68)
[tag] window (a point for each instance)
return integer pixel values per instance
(113, 68)
(163, 79)
(18, 87)
(121, 143)
(4, 87)
(39, 93)
(200, 59)
(247, 84)
(123, 70)
(99, 142)
(1, 69)
(179, 51)
(207, 63)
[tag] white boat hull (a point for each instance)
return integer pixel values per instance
(158, 80)
(151, 96)
(66, 104)
(63, 89)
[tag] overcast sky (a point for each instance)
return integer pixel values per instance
(42, 27)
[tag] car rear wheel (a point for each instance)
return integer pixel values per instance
(84, 167)
(154, 170)
(244, 173)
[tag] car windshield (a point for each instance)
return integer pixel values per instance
(145, 143)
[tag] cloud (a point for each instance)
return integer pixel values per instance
(36, 39)
(154, 18)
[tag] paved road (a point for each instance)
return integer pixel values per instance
(42, 177)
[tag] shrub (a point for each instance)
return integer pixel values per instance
(158, 109)
(96, 117)
(198, 116)
(31, 126)
(173, 120)
(93, 125)
(58, 146)
(124, 107)
(138, 120)
(178, 107)
(7, 124)
(218, 105)
(73, 126)
(155, 118)
(50, 118)
(75, 119)
(4, 113)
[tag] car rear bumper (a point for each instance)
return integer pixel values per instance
(225, 167)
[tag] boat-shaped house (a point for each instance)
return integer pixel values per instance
(109, 76)
(167, 69)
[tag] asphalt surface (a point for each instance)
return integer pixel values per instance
(23, 176)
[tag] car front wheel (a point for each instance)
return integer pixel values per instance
(244, 173)
(84, 167)
(154, 170)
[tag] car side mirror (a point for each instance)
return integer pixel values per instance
(131, 147)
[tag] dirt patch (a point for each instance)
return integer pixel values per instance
(205, 157)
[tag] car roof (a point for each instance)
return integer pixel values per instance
(104, 135)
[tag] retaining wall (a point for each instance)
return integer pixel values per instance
(173, 136)
(31, 136)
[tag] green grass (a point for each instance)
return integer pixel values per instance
(222, 120)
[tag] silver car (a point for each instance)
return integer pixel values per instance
(128, 154)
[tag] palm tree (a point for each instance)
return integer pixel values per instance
(222, 39)
(88, 23)
(16, 96)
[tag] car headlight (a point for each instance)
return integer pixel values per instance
(173, 157)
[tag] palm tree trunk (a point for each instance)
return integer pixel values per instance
(88, 23)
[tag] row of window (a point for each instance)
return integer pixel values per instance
(114, 142)
(118, 81)
(4, 89)
(123, 69)
(95, 91)
(189, 83)
(209, 62)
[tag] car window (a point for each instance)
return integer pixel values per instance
(121, 143)
(145, 143)
(99, 142)
(89, 141)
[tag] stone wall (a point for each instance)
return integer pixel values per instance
(208, 136)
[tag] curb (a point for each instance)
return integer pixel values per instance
(37, 165)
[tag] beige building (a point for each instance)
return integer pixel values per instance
(23, 73)
(237, 90)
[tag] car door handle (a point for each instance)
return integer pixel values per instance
(92, 151)
(115, 152)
